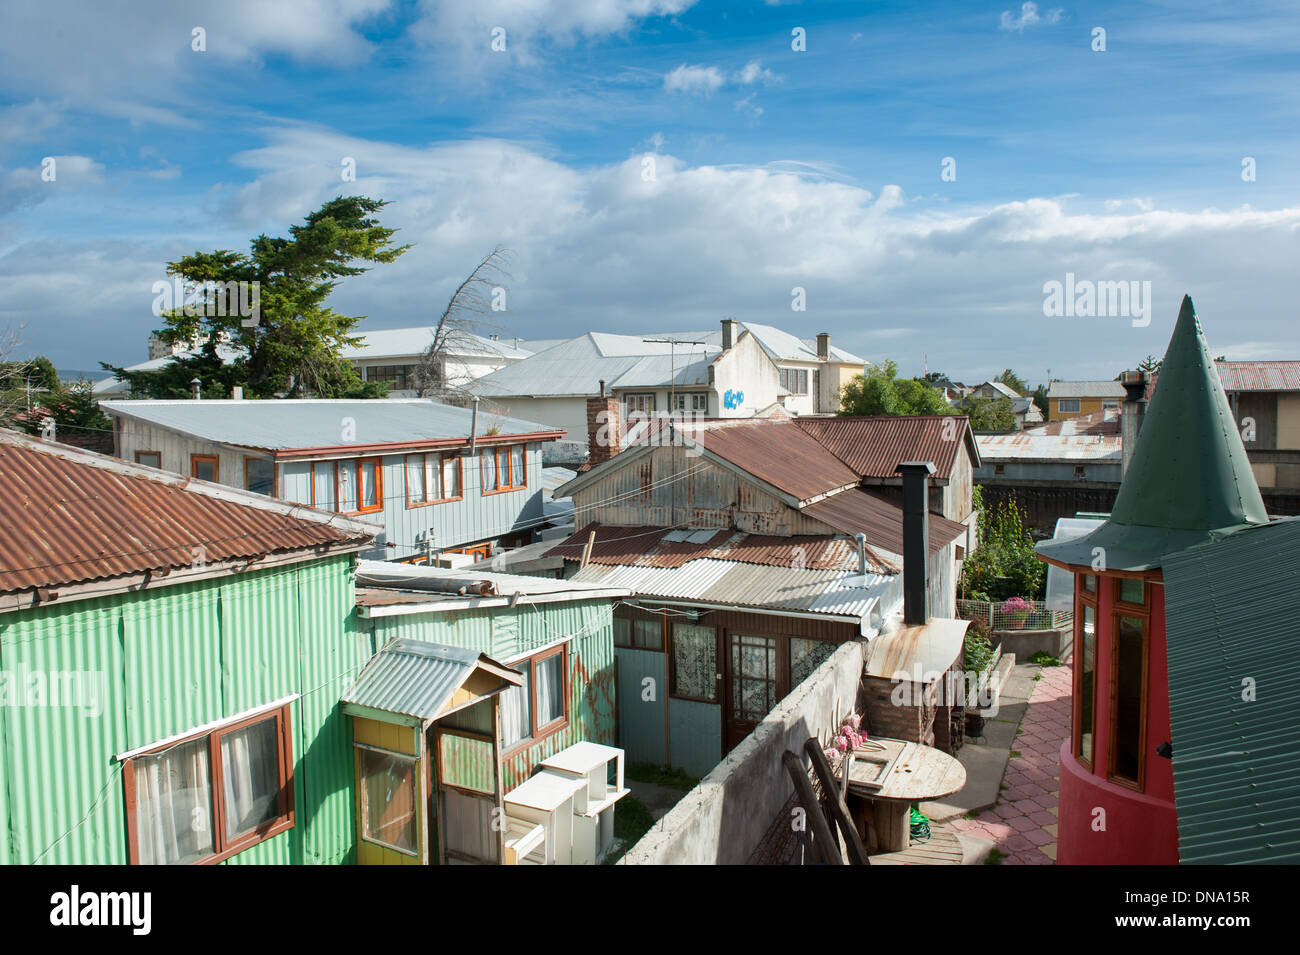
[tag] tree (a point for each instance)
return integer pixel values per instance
(1004, 564)
(990, 414)
(291, 345)
(1151, 365)
(73, 409)
(1012, 381)
(882, 392)
(1040, 400)
(460, 322)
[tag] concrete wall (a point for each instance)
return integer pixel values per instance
(722, 820)
(746, 374)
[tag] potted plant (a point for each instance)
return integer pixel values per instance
(1015, 610)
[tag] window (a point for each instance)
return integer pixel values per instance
(431, 478)
(639, 634)
(1067, 405)
(152, 458)
(399, 377)
(539, 707)
(1131, 591)
(999, 469)
(259, 475)
(388, 800)
(695, 402)
(795, 380)
(1080, 470)
(694, 662)
(806, 656)
(503, 469)
(451, 477)
(1083, 722)
(207, 797)
(203, 467)
(1128, 683)
(356, 484)
(638, 404)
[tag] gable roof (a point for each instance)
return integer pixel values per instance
(1001, 388)
(73, 517)
(778, 452)
(1189, 476)
(408, 342)
(317, 424)
(873, 446)
(868, 512)
(1259, 375)
(1085, 389)
(1230, 617)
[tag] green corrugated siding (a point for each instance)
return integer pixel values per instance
(694, 735)
(1230, 623)
(641, 722)
(172, 659)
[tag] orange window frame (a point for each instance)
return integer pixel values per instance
(275, 475)
(539, 733)
(224, 848)
(216, 465)
(504, 465)
(1141, 612)
(433, 472)
(361, 507)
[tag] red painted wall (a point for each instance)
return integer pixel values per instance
(1132, 827)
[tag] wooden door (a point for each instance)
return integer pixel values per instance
(752, 678)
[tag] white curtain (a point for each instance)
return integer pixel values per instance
(516, 716)
(172, 805)
(550, 689)
(250, 777)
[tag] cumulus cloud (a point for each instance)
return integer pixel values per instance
(754, 72)
(610, 247)
(693, 79)
(1029, 17)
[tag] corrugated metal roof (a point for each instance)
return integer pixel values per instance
(1105, 421)
(409, 342)
(1259, 375)
(663, 547)
(880, 519)
(1231, 621)
(286, 424)
(73, 516)
(874, 446)
(1060, 448)
(921, 653)
(415, 678)
(1085, 389)
(778, 452)
(831, 592)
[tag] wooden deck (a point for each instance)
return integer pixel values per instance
(942, 849)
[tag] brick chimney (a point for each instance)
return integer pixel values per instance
(730, 332)
(604, 427)
(824, 346)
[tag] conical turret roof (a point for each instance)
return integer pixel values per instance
(1189, 476)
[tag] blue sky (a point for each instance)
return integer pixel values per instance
(774, 168)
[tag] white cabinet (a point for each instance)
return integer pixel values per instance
(593, 827)
(547, 800)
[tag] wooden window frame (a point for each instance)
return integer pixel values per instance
(311, 480)
(718, 688)
(275, 477)
(363, 802)
(542, 733)
(378, 506)
(502, 453)
(1061, 409)
(158, 454)
(224, 849)
(1126, 610)
(662, 621)
(1083, 598)
(433, 464)
(460, 477)
(1144, 608)
(216, 466)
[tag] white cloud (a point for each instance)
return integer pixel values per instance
(754, 72)
(693, 79)
(1029, 17)
(604, 248)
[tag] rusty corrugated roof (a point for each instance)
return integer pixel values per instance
(652, 547)
(870, 513)
(874, 446)
(1259, 375)
(778, 452)
(73, 516)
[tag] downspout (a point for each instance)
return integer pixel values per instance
(473, 428)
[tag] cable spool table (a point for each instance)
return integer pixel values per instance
(891, 778)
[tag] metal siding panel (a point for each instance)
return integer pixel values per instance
(641, 724)
(694, 735)
(260, 632)
(64, 788)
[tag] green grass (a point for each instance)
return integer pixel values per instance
(1015, 753)
(995, 857)
(1044, 659)
(632, 820)
(661, 776)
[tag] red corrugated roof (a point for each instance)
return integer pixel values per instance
(874, 446)
(778, 452)
(73, 516)
(1259, 375)
(648, 547)
(870, 513)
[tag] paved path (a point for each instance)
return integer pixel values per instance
(1023, 822)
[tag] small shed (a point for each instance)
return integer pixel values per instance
(911, 682)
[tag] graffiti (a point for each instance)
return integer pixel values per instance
(733, 399)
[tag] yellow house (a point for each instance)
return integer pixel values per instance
(1069, 399)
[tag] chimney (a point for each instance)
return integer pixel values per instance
(1131, 414)
(237, 393)
(824, 346)
(603, 427)
(916, 535)
(730, 332)
(196, 389)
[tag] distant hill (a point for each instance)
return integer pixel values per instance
(72, 374)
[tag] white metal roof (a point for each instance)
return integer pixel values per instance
(411, 342)
(1085, 389)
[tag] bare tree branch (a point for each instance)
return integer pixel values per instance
(460, 324)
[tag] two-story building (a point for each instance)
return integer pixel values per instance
(438, 478)
(1069, 399)
(1265, 400)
